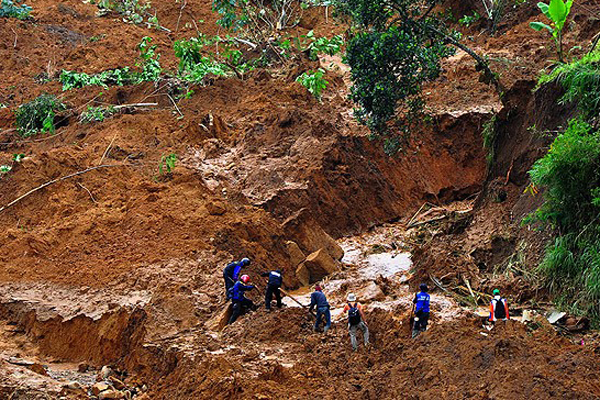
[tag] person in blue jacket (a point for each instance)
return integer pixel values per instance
(273, 286)
(421, 303)
(318, 300)
(231, 273)
(238, 298)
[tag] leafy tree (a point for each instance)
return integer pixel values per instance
(397, 46)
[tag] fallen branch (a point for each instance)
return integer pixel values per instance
(15, 201)
(415, 224)
(135, 105)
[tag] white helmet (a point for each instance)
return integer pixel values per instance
(351, 297)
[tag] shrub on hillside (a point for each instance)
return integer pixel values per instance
(38, 115)
(11, 9)
(570, 172)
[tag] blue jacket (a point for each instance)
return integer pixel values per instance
(232, 270)
(318, 299)
(422, 300)
(275, 277)
(237, 291)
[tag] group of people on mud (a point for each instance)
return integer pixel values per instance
(236, 284)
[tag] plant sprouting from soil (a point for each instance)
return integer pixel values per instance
(150, 71)
(167, 164)
(557, 12)
(38, 115)
(12, 9)
(314, 81)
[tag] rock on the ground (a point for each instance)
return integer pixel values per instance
(309, 235)
(105, 372)
(317, 265)
(99, 387)
(111, 394)
(216, 207)
(296, 255)
(74, 385)
(372, 292)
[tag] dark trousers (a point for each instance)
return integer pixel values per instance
(228, 285)
(240, 307)
(272, 290)
(421, 324)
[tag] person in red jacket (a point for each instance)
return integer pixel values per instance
(498, 308)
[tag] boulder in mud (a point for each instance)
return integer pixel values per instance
(216, 207)
(309, 235)
(99, 387)
(296, 255)
(372, 292)
(303, 275)
(316, 266)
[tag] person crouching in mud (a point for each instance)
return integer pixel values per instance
(238, 298)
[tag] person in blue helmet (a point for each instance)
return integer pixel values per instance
(421, 303)
(232, 271)
(240, 302)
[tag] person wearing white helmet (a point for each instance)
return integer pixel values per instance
(356, 320)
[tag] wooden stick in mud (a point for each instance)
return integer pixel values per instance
(55, 181)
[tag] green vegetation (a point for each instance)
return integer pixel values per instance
(254, 18)
(570, 175)
(150, 71)
(12, 9)
(38, 115)
(468, 20)
(570, 172)
(581, 80)
(557, 12)
(97, 114)
(167, 164)
(314, 82)
(397, 47)
(132, 11)
(194, 65)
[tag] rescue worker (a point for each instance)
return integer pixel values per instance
(238, 298)
(319, 301)
(356, 320)
(232, 271)
(273, 286)
(421, 303)
(498, 308)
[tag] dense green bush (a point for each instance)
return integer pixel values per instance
(581, 80)
(570, 173)
(38, 115)
(11, 9)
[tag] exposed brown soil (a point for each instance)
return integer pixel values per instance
(122, 266)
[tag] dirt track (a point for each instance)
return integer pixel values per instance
(122, 267)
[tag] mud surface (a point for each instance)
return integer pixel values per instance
(122, 266)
